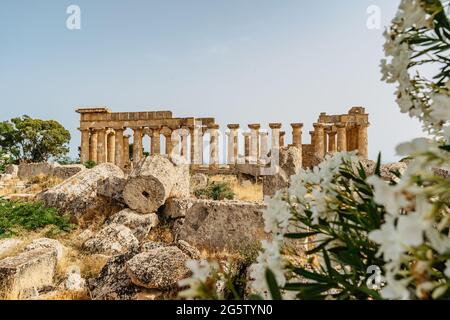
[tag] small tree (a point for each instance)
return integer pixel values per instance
(34, 140)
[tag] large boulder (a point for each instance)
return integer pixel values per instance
(139, 224)
(113, 283)
(219, 225)
(78, 194)
(27, 272)
(153, 181)
(160, 268)
(111, 240)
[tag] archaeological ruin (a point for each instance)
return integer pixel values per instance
(106, 137)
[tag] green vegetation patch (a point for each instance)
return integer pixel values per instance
(17, 216)
(216, 191)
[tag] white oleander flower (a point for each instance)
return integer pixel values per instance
(414, 147)
(447, 269)
(440, 107)
(396, 289)
(201, 270)
(391, 197)
(439, 241)
(277, 215)
(269, 258)
(395, 240)
(413, 14)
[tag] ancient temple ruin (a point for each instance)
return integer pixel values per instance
(104, 138)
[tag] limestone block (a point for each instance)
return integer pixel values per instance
(74, 281)
(160, 268)
(139, 224)
(113, 283)
(78, 194)
(111, 240)
(28, 271)
(66, 171)
(28, 171)
(177, 208)
(181, 187)
(219, 225)
(45, 243)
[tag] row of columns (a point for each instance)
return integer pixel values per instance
(339, 138)
(111, 145)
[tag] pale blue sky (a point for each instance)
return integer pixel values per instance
(241, 61)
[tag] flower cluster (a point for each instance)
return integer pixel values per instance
(202, 283)
(412, 42)
(414, 240)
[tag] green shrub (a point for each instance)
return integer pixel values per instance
(16, 216)
(90, 164)
(216, 191)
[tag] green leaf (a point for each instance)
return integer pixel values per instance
(273, 285)
(301, 235)
(311, 275)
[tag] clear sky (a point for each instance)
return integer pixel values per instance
(240, 61)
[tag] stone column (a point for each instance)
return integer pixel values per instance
(118, 158)
(332, 142)
(137, 145)
(126, 150)
(156, 141)
(297, 134)
(282, 143)
(318, 141)
(276, 135)
(167, 133)
(214, 146)
(247, 136)
(93, 146)
(363, 151)
(233, 144)
(313, 137)
(194, 142)
(254, 142)
(341, 137)
(264, 148)
(275, 144)
(111, 147)
(325, 141)
(84, 150)
(101, 146)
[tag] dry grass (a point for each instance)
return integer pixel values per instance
(247, 190)
(41, 183)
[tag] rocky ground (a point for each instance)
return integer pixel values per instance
(132, 232)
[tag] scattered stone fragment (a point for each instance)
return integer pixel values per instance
(139, 224)
(49, 244)
(111, 240)
(160, 268)
(27, 272)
